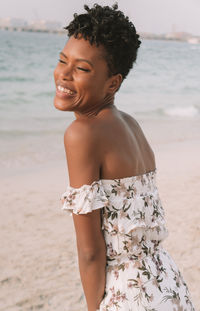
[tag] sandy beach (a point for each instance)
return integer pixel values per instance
(38, 263)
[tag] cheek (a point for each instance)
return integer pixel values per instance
(92, 83)
(84, 83)
(55, 73)
(96, 86)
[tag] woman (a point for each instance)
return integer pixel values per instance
(117, 212)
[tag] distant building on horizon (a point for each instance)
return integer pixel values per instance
(22, 24)
(45, 25)
(13, 22)
(183, 36)
(178, 35)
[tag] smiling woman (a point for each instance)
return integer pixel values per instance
(117, 212)
(81, 75)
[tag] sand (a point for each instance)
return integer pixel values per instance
(38, 263)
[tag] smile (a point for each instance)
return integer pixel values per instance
(64, 90)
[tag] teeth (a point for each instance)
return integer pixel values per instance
(64, 90)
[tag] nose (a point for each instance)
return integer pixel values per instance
(66, 73)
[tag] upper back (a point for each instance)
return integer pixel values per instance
(124, 148)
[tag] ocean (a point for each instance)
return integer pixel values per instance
(163, 84)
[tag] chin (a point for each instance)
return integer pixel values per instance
(58, 104)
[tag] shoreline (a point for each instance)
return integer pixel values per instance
(170, 132)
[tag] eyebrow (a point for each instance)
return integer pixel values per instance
(78, 59)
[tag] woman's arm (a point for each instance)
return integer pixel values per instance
(92, 257)
(83, 159)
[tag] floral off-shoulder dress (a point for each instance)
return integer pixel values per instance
(140, 274)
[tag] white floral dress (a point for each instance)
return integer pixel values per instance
(140, 273)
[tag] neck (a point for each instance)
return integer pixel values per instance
(93, 111)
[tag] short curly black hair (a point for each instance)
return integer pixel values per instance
(109, 27)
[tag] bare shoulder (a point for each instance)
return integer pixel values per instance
(138, 131)
(82, 153)
(129, 119)
(80, 132)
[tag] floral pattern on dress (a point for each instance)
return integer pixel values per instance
(140, 274)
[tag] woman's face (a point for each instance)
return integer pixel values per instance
(81, 77)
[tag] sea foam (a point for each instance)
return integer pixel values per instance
(185, 112)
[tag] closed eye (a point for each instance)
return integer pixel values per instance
(61, 61)
(79, 68)
(83, 69)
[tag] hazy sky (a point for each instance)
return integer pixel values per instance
(158, 16)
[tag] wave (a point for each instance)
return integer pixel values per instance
(17, 79)
(170, 112)
(20, 133)
(185, 112)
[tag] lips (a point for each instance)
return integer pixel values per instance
(64, 91)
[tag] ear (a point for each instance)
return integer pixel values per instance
(114, 83)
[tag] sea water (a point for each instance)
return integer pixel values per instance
(163, 84)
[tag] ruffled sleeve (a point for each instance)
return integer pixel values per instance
(85, 199)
